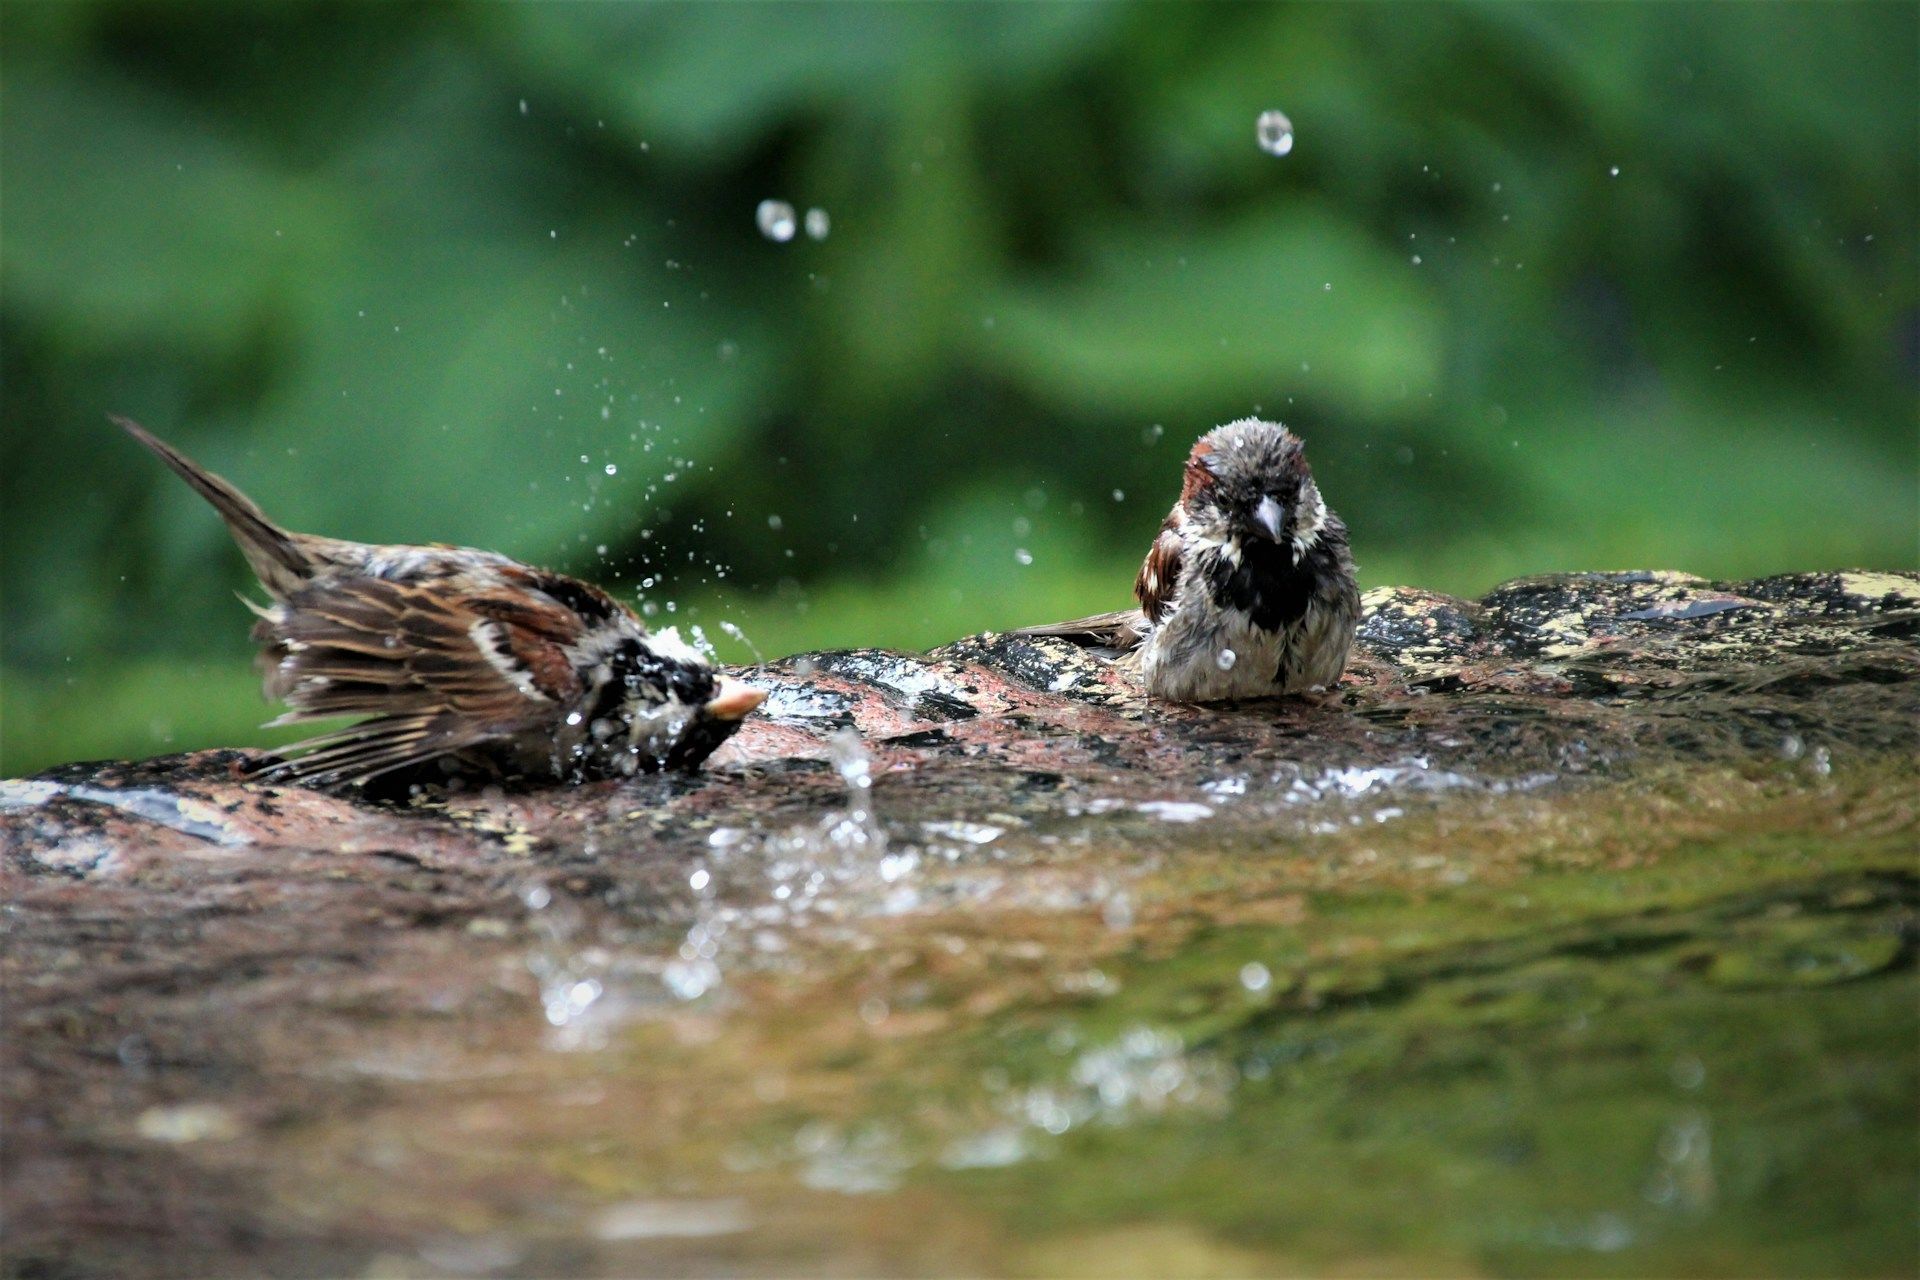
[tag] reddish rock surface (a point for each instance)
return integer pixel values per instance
(174, 935)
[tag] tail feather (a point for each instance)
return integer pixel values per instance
(271, 550)
(1119, 631)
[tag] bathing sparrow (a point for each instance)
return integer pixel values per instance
(462, 662)
(1248, 591)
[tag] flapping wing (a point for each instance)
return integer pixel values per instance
(1159, 580)
(435, 672)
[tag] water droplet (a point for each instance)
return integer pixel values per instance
(1688, 1072)
(612, 470)
(1275, 133)
(818, 224)
(523, 106)
(699, 880)
(1022, 556)
(1614, 171)
(1119, 495)
(1152, 433)
(734, 631)
(1255, 976)
(1225, 659)
(775, 220)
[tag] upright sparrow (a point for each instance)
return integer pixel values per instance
(1248, 590)
(463, 661)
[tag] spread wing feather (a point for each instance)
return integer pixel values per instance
(435, 675)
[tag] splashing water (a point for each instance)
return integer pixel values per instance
(570, 975)
(775, 218)
(1146, 1071)
(859, 829)
(734, 632)
(1274, 132)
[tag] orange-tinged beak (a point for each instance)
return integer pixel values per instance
(734, 699)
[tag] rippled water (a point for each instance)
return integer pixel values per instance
(1398, 1013)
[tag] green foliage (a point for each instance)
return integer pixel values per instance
(399, 269)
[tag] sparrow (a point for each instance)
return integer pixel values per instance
(465, 663)
(1248, 590)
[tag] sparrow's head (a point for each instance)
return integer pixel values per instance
(674, 707)
(1249, 481)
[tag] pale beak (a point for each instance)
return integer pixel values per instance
(1269, 516)
(733, 699)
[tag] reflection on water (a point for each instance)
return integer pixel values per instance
(1636, 1020)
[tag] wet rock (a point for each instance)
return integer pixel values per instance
(196, 965)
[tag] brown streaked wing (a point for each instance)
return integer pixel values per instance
(1159, 579)
(585, 601)
(436, 673)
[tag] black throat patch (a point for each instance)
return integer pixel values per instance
(1266, 585)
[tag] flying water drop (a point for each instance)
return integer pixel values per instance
(734, 631)
(1275, 133)
(818, 224)
(1226, 658)
(775, 219)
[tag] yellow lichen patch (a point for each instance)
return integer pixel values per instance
(514, 836)
(1569, 632)
(1881, 586)
(1371, 601)
(211, 815)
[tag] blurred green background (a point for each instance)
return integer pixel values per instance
(1544, 287)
